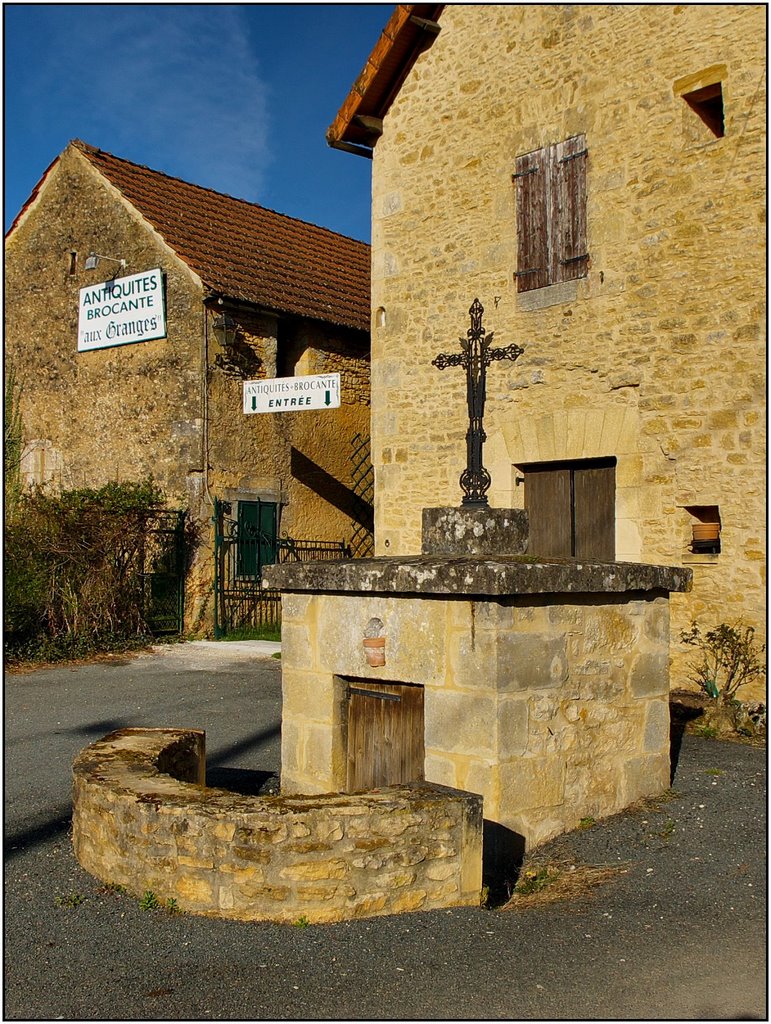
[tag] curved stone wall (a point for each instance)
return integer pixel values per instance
(143, 818)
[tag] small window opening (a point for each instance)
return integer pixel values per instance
(73, 262)
(705, 529)
(708, 104)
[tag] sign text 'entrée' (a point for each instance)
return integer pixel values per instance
(121, 311)
(291, 394)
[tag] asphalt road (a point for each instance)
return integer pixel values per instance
(679, 935)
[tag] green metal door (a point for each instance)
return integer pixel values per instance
(243, 544)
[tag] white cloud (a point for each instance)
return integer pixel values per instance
(173, 86)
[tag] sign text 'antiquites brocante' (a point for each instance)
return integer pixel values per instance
(122, 311)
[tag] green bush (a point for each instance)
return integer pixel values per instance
(72, 569)
(13, 444)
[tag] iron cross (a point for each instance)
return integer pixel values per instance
(475, 357)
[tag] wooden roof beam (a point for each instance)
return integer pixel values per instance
(374, 125)
(426, 24)
(410, 30)
(349, 147)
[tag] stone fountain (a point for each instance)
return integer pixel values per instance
(540, 684)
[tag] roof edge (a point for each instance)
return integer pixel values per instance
(410, 30)
(87, 150)
(34, 194)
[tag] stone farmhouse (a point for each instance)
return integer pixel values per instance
(595, 175)
(247, 294)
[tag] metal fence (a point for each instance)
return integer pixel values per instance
(241, 550)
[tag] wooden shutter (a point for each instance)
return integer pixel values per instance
(569, 254)
(594, 509)
(572, 509)
(268, 516)
(548, 505)
(530, 179)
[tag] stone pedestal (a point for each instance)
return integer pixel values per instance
(545, 683)
(474, 531)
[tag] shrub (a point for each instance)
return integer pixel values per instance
(728, 658)
(72, 569)
(13, 445)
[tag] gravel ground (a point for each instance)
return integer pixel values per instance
(679, 934)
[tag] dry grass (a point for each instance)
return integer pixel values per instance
(543, 883)
(20, 668)
(652, 804)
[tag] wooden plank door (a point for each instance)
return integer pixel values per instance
(572, 509)
(548, 505)
(594, 510)
(385, 735)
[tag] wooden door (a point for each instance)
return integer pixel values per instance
(385, 735)
(257, 528)
(594, 511)
(571, 508)
(548, 505)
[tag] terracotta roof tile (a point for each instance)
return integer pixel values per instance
(246, 251)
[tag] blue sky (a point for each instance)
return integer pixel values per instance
(235, 97)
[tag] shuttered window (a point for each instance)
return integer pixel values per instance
(571, 508)
(551, 215)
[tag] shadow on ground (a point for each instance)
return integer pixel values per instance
(15, 843)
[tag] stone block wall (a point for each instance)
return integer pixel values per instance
(553, 707)
(302, 460)
(143, 818)
(657, 356)
(120, 413)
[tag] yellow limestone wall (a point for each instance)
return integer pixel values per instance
(126, 412)
(143, 818)
(657, 357)
(551, 709)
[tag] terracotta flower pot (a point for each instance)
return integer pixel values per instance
(374, 648)
(706, 531)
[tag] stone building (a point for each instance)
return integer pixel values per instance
(247, 294)
(595, 175)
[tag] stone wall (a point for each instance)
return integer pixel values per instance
(657, 356)
(300, 459)
(552, 704)
(119, 413)
(326, 858)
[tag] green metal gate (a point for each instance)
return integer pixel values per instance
(163, 573)
(243, 545)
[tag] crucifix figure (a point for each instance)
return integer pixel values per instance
(475, 357)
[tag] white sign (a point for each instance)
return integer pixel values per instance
(121, 311)
(290, 394)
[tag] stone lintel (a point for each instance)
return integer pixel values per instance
(470, 530)
(474, 576)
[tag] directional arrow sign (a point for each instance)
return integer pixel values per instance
(292, 394)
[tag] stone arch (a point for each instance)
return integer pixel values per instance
(572, 434)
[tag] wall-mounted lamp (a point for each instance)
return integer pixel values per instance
(92, 261)
(225, 329)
